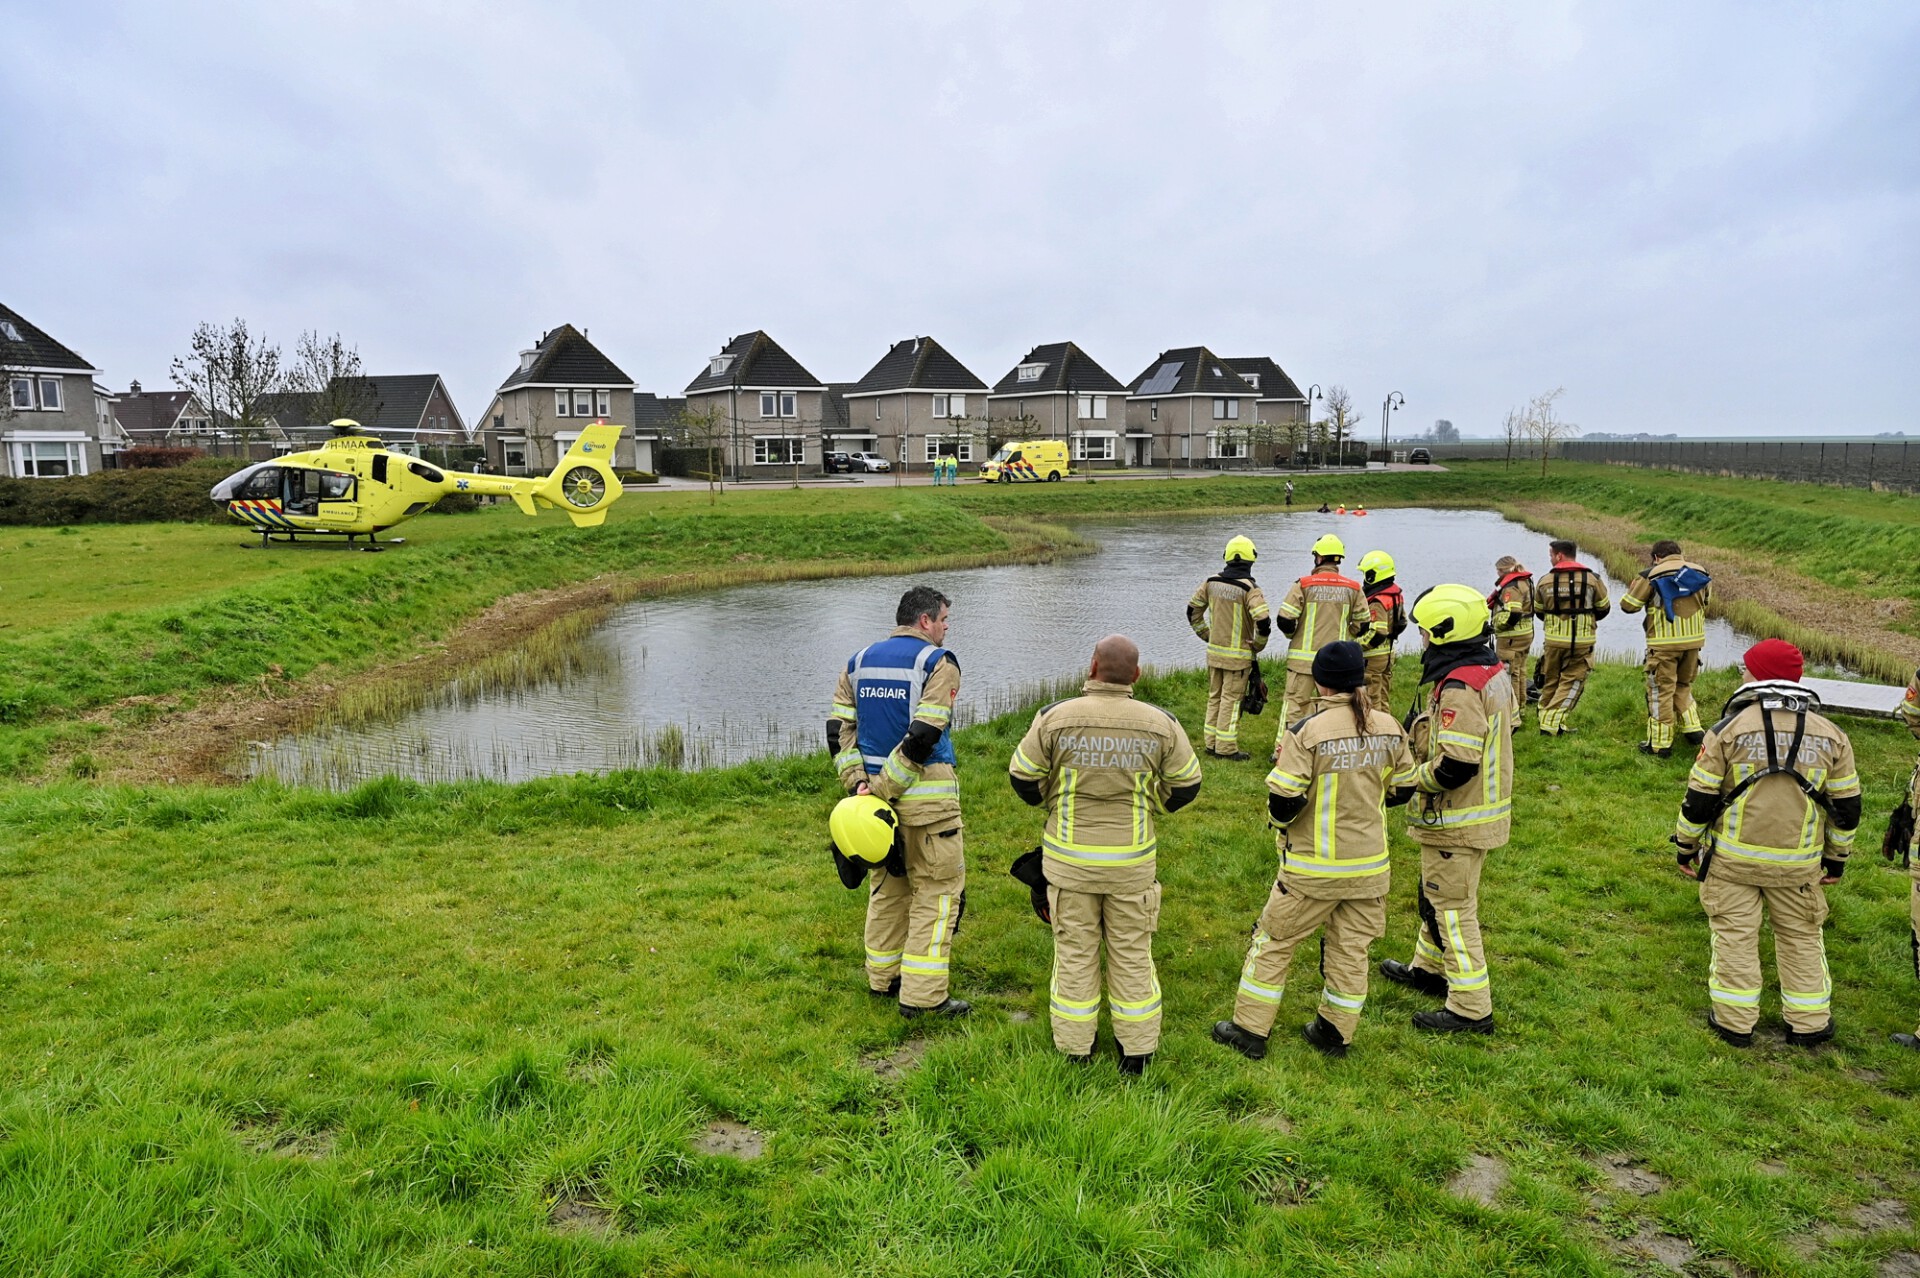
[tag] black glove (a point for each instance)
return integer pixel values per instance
(1028, 870)
(1687, 855)
(1829, 868)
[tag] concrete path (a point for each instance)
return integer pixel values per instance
(1868, 700)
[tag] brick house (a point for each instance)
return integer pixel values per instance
(410, 411)
(762, 405)
(1197, 409)
(1280, 408)
(50, 421)
(916, 403)
(1058, 392)
(562, 384)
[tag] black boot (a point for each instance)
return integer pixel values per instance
(1325, 1038)
(1249, 1044)
(1448, 1021)
(952, 1007)
(1135, 1066)
(1811, 1038)
(892, 990)
(1907, 1041)
(1414, 978)
(1695, 738)
(1658, 752)
(1732, 1038)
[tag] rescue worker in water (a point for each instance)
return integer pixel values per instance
(892, 709)
(1103, 764)
(1334, 774)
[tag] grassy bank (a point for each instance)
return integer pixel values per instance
(478, 1030)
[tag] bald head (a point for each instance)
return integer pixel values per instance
(1116, 659)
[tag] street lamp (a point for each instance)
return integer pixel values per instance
(1313, 393)
(1392, 402)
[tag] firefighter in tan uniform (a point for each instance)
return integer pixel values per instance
(1768, 820)
(1105, 766)
(891, 712)
(1319, 609)
(1512, 605)
(1230, 614)
(1334, 774)
(1570, 601)
(1675, 592)
(1910, 715)
(1386, 620)
(1462, 805)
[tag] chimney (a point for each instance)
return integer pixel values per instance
(134, 389)
(526, 360)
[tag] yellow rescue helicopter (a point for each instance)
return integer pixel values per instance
(351, 487)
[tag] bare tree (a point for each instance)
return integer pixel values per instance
(1545, 426)
(232, 371)
(1444, 432)
(330, 370)
(1341, 420)
(707, 429)
(1513, 430)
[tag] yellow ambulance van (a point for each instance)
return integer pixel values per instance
(1028, 460)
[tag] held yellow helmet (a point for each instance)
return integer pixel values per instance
(1451, 614)
(1375, 565)
(1329, 547)
(863, 828)
(1241, 548)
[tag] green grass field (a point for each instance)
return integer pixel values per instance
(478, 1029)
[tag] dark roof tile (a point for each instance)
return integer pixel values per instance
(1199, 372)
(32, 348)
(1064, 368)
(755, 360)
(1274, 382)
(565, 357)
(917, 363)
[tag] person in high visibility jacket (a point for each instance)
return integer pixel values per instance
(1104, 765)
(1231, 615)
(892, 709)
(1334, 774)
(1675, 593)
(1320, 608)
(1462, 807)
(1570, 601)
(1910, 715)
(1386, 619)
(1768, 822)
(1512, 606)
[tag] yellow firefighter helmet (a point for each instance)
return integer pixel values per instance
(1375, 565)
(1241, 548)
(1451, 613)
(863, 828)
(1329, 547)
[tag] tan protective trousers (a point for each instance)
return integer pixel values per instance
(1351, 927)
(1448, 941)
(1302, 691)
(911, 920)
(1081, 921)
(1670, 675)
(1799, 952)
(1563, 677)
(1379, 682)
(1224, 690)
(1514, 652)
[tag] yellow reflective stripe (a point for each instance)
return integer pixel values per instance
(1404, 778)
(1224, 650)
(1465, 740)
(1466, 977)
(1345, 1002)
(1142, 1011)
(1841, 838)
(923, 963)
(940, 924)
(932, 712)
(1424, 948)
(1287, 782)
(1838, 786)
(1689, 830)
(1478, 814)
(841, 710)
(1814, 1002)
(1265, 993)
(897, 771)
(1063, 812)
(1258, 610)
(848, 759)
(1141, 806)
(884, 958)
(1095, 854)
(1288, 610)
(1189, 772)
(1323, 817)
(1325, 867)
(1765, 855)
(1024, 767)
(1705, 781)
(931, 790)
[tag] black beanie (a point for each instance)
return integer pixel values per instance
(1340, 666)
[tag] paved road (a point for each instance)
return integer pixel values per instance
(919, 478)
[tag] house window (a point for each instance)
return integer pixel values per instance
(562, 404)
(769, 404)
(1093, 407)
(23, 392)
(12, 333)
(1228, 445)
(1251, 379)
(958, 447)
(876, 410)
(50, 394)
(1093, 447)
(583, 403)
(789, 405)
(776, 450)
(1153, 412)
(1031, 372)
(602, 404)
(47, 459)
(939, 405)
(1226, 410)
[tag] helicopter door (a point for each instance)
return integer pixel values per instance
(337, 493)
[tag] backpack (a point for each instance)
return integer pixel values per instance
(1674, 586)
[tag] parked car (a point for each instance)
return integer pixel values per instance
(872, 463)
(1419, 457)
(839, 464)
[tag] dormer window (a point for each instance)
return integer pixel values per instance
(1031, 372)
(718, 365)
(1251, 379)
(12, 333)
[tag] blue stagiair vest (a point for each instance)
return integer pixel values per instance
(887, 679)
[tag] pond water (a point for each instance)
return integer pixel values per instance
(704, 680)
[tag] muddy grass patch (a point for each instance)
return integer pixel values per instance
(1628, 1177)
(1480, 1181)
(288, 1143)
(725, 1138)
(897, 1062)
(573, 1214)
(1663, 1249)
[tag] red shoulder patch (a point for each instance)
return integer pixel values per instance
(1446, 718)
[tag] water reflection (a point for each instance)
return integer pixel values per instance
(711, 679)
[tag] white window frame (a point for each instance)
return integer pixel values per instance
(940, 405)
(1093, 408)
(1153, 412)
(563, 403)
(792, 449)
(876, 411)
(962, 446)
(24, 457)
(789, 404)
(769, 404)
(17, 385)
(602, 405)
(1226, 409)
(1030, 372)
(11, 333)
(1228, 445)
(1251, 379)
(52, 403)
(1093, 445)
(580, 409)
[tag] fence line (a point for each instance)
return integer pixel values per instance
(1889, 465)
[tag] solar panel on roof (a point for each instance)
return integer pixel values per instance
(1163, 379)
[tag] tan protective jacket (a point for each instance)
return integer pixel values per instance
(1512, 606)
(1336, 847)
(1106, 765)
(1773, 835)
(1688, 629)
(1326, 608)
(1227, 614)
(1465, 718)
(1570, 599)
(921, 795)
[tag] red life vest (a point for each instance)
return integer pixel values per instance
(1493, 600)
(1330, 579)
(1475, 677)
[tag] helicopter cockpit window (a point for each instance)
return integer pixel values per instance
(336, 487)
(307, 488)
(262, 485)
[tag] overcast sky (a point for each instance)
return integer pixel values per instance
(1700, 217)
